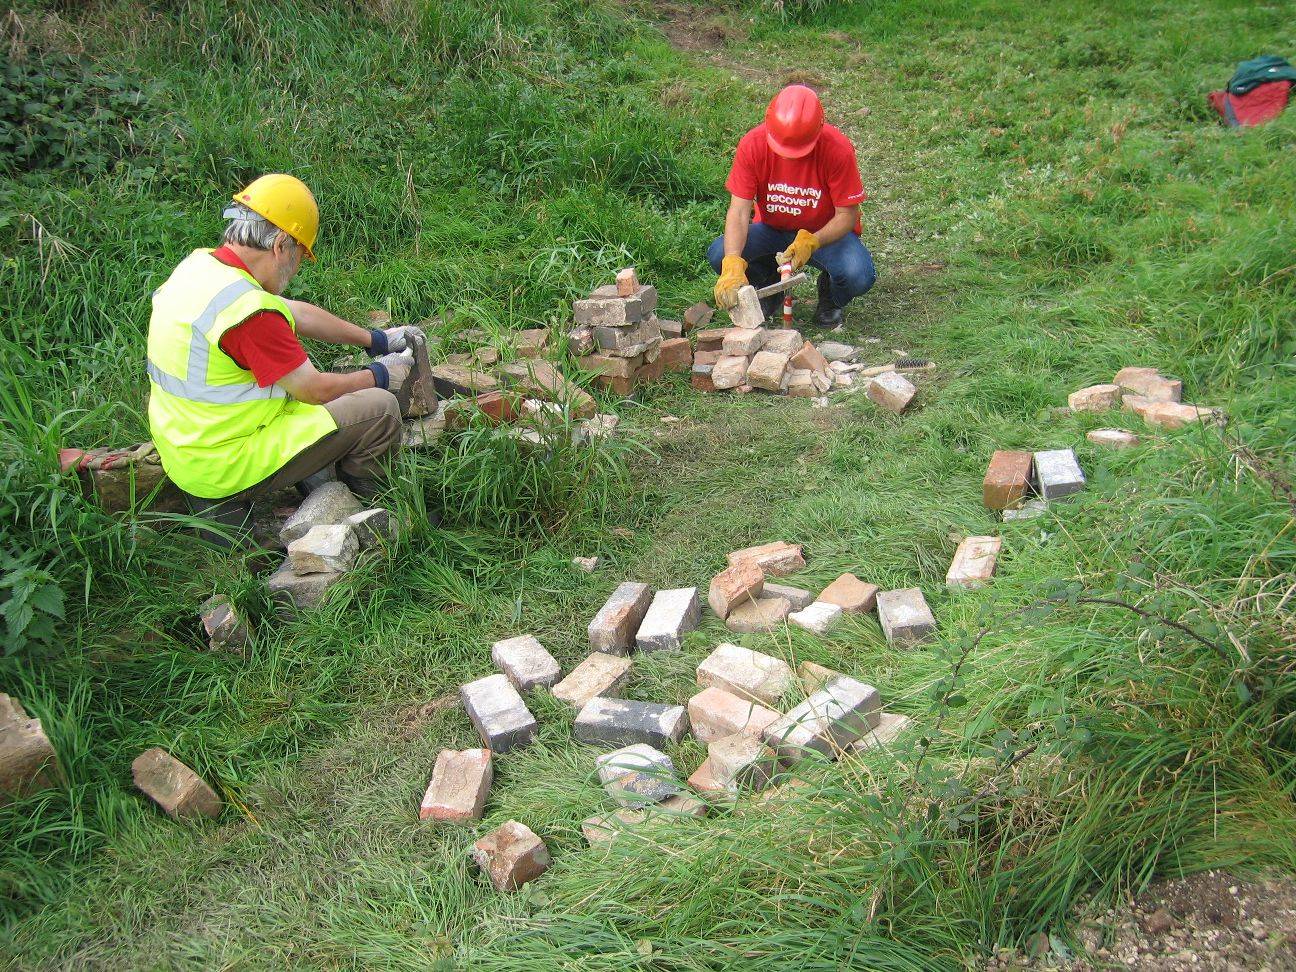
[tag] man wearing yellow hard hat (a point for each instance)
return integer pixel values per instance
(236, 408)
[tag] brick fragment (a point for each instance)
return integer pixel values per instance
(498, 712)
(603, 828)
(460, 783)
(28, 762)
(729, 371)
(818, 618)
(324, 549)
(530, 343)
(904, 615)
(525, 662)
(1173, 415)
(610, 366)
(704, 781)
(646, 295)
(746, 673)
(747, 312)
(327, 503)
(809, 358)
(613, 628)
(1095, 398)
(1057, 473)
(624, 722)
(892, 391)
(799, 598)
(1136, 404)
(292, 592)
(676, 354)
(699, 315)
(671, 615)
(627, 282)
(741, 342)
(974, 562)
(671, 330)
(226, 629)
(460, 381)
(737, 584)
(712, 340)
(829, 720)
(834, 351)
(762, 615)
(173, 786)
(767, 371)
(1113, 438)
(707, 357)
(850, 594)
(801, 383)
(715, 712)
(776, 559)
(510, 856)
(637, 775)
(889, 728)
(587, 564)
(1006, 479)
(372, 528)
(1150, 384)
(599, 674)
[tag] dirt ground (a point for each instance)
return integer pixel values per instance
(1213, 920)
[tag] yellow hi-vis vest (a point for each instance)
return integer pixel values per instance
(217, 431)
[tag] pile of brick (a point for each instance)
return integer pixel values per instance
(1147, 393)
(620, 340)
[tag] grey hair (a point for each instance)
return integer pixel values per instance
(246, 228)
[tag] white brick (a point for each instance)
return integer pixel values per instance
(599, 674)
(325, 549)
(746, 673)
(525, 662)
(974, 562)
(818, 617)
(831, 719)
(905, 616)
(671, 614)
(1057, 473)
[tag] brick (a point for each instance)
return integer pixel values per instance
(743, 342)
(821, 380)
(510, 856)
(599, 674)
(700, 379)
(974, 562)
(580, 340)
(173, 786)
(28, 762)
(1007, 478)
(747, 312)
(637, 775)
(610, 366)
(767, 370)
(1173, 415)
(1057, 474)
(712, 340)
(587, 564)
(525, 662)
(530, 343)
(1027, 511)
(498, 712)
(827, 722)
(747, 674)
(818, 618)
(737, 584)
(328, 503)
(540, 379)
(649, 372)
(459, 381)
(704, 781)
(815, 676)
(627, 282)
(883, 736)
(801, 384)
(226, 630)
(613, 628)
(809, 358)
(715, 713)
(622, 722)
(776, 559)
(783, 340)
(671, 614)
(670, 330)
(1150, 384)
(609, 311)
(699, 315)
(646, 295)
(1113, 438)
(741, 762)
(836, 351)
(460, 783)
(905, 617)
(729, 372)
(628, 341)
(1136, 404)
(797, 597)
(324, 549)
(423, 432)
(851, 594)
(292, 592)
(372, 528)
(892, 391)
(763, 614)
(707, 357)
(676, 354)
(1095, 398)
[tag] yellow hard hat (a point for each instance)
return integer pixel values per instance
(285, 201)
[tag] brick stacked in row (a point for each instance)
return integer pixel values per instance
(1147, 393)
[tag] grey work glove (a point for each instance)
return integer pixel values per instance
(389, 341)
(392, 370)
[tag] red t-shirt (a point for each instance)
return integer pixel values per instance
(265, 343)
(795, 194)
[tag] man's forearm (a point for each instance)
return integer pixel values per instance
(737, 223)
(843, 222)
(321, 325)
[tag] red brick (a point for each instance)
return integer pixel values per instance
(707, 357)
(627, 282)
(614, 384)
(701, 379)
(851, 594)
(1006, 479)
(649, 372)
(676, 354)
(611, 365)
(735, 585)
(511, 855)
(460, 783)
(174, 786)
(809, 358)
(713, 339)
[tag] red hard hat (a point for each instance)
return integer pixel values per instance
(793, 121)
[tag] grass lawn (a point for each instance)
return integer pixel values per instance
(1051, 199)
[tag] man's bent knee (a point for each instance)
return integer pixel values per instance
(365, 405)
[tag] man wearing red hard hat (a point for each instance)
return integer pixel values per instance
(796, 191)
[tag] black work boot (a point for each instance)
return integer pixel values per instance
(231, 520)
(827, 315)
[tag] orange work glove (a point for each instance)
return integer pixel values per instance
(800, 251)
(733, 275)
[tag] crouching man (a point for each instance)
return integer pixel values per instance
(795, 193)
(236, 408)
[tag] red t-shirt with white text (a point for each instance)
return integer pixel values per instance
(795, 194)
(265, 343)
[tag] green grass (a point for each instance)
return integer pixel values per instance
(489, 162)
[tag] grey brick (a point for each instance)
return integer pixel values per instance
(905, 616)
(613, 628)
(795, 596)
(671, 614)
(328, 503)
(621, 722)
(526, 662)
(637, 775)
(831, 719)
(604, 311)
(1057, 473)
(498, 712)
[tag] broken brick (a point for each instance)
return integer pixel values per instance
(1173, 415)
(809, 358)
(599, 674)
(510, 856)
(27, 759)
(328, 548)
(747, 312)
(741, 762)
(829, 720)
(892, 391)
(627, 282)
(767, 370)
(613, 628)
(735, 585)
(1113, 438)
(851, 594)
(637, 775)
(974, 562)
(776, 559)
(743, 343)
(173, 786)
(729, 372)
(700, 378)
(1148, 383)
(1095, 398)
(699, 315)
(762, 614)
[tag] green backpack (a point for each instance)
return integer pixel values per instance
(1255, 72)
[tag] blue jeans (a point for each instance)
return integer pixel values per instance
(847, 262)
